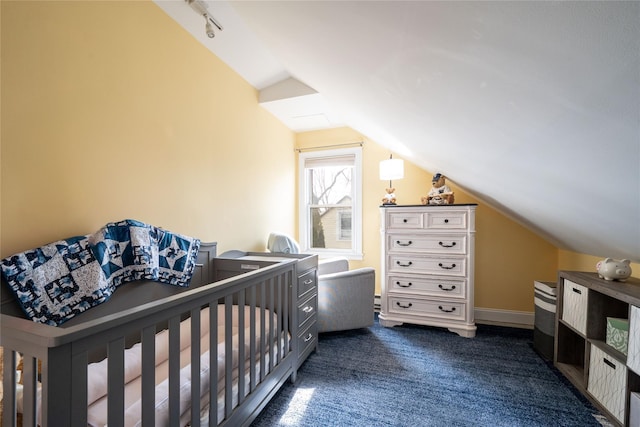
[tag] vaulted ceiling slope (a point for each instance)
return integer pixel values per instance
(533, 107)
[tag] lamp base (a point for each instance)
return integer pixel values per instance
(388, 203)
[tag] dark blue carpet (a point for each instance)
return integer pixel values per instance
(423, 376)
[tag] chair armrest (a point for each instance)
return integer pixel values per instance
(332, 265)
(346, 276)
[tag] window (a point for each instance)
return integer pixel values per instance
(331, 202)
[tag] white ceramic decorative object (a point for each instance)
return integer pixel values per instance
(612, 269)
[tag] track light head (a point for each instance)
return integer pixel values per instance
(209, 27)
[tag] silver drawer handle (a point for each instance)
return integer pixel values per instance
(447, 246)
(447, 311)
(399, 243)
(308, 309)
(409, 264)
(445, 267)
(404, 286)
(404, 306)
(447, 289)
(308, 281)
(308, 338)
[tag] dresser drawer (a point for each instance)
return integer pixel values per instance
(446, 266)
(307, 310)
(442, 243)
(446, 220)
(307, 339)
(428, 308)
(445, 287)
(574, 306)
(306, 282)
(404, 220)
(607, 382)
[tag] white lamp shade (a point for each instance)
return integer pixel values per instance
(392, 169)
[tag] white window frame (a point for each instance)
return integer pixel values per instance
(304, 231)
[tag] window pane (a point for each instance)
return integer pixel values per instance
(330, 185)
(331, 227)
(317, 229)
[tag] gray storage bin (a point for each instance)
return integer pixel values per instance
(545, 315)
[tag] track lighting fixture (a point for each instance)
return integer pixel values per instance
(210, 23)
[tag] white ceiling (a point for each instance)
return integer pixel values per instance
(534, 107)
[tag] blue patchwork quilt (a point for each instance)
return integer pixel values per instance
(62, 279)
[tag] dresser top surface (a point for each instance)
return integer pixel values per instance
(428, 206)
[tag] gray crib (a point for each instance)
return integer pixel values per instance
(228, 384)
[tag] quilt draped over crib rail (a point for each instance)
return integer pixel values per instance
(60, 280)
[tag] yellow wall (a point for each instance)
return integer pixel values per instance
(111, 110)
(509, 257)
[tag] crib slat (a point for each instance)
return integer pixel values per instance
(148, 376)
(279, 292)
(241, 343)
(285, 316)
(271, 335)
(228, 355)
(115, 382)
(195, 367)
(29, 381)
(263, 329)
(174, 371)
(213, 363)
(9, 387)
(79, 364)
(57, 380)
(252, 337)
(288, 290)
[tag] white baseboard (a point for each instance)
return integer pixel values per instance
(492, 316)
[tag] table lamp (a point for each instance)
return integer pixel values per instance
(389, 170)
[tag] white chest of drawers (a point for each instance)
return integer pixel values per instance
(428, 266)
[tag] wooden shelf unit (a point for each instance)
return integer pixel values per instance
(576, 335)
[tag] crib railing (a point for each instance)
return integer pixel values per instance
(64, 354)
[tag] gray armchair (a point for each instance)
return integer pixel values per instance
(345, 297)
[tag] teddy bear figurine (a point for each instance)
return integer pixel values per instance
(390, 197)
(440, 193)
